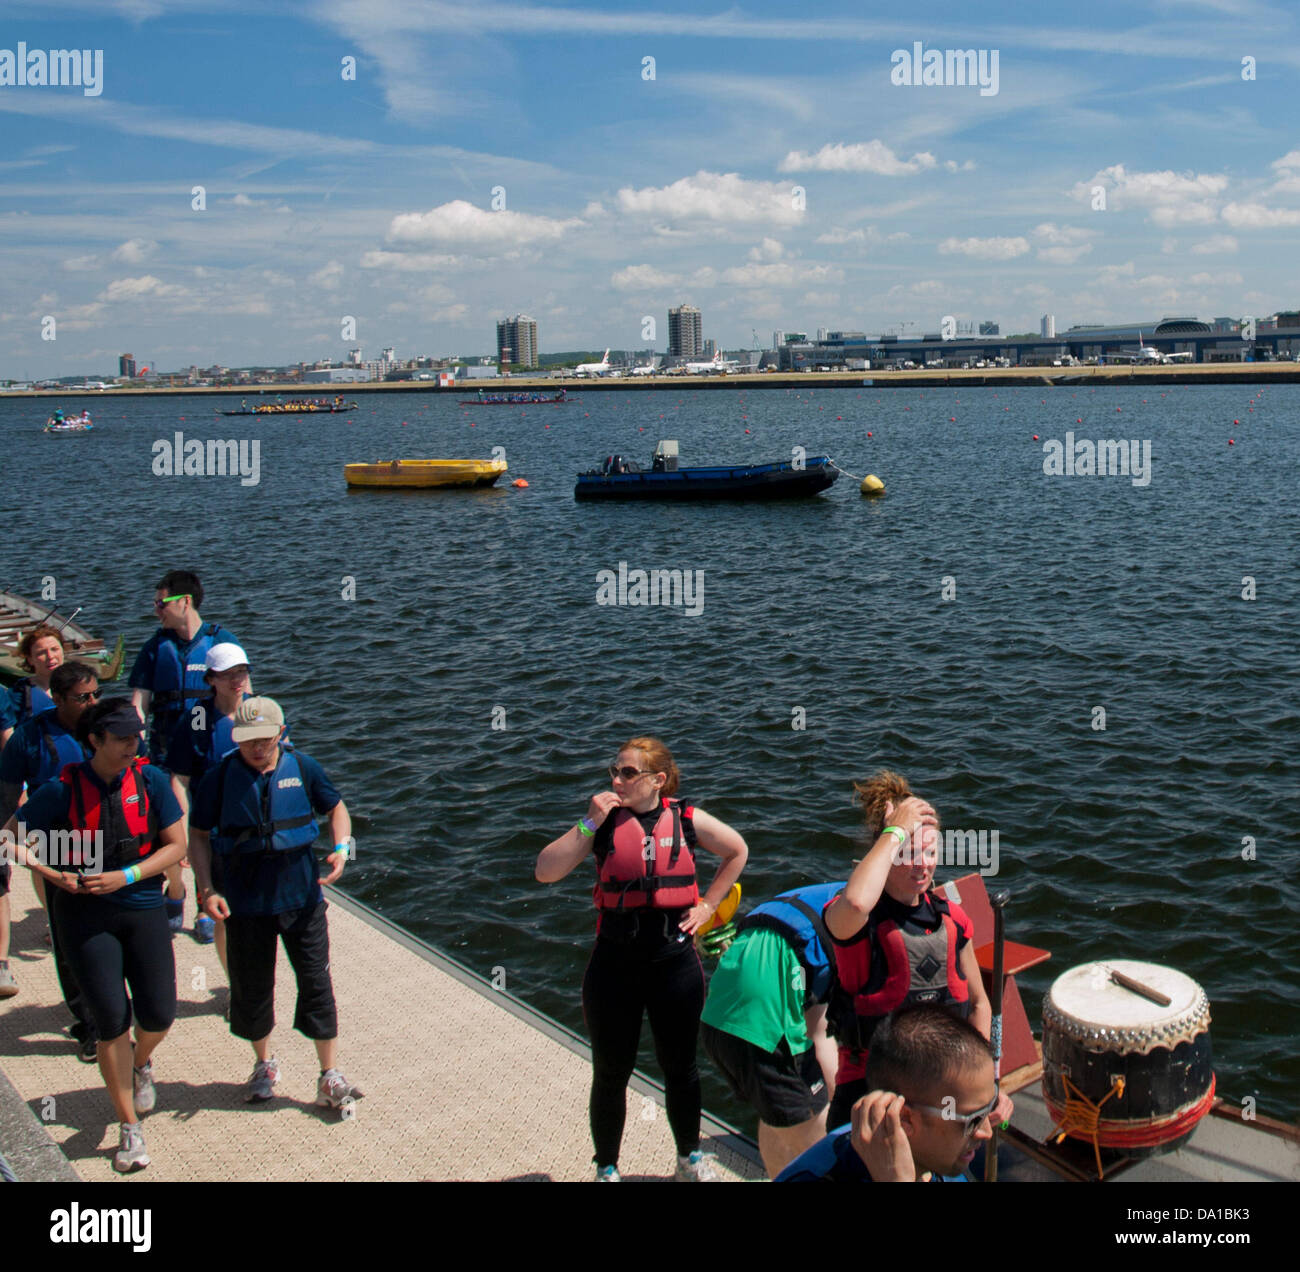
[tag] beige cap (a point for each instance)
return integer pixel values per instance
(257, 718)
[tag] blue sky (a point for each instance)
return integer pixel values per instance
(624, 195)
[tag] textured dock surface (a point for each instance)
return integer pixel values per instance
(461, 1083)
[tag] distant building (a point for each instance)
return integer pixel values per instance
(778, 339)
(517, 341)
(1047, 327)
(334, 375)
(354, 357)
(126, 366)
(821, 333)
(685, 332)
(990, 329)
(710, 348)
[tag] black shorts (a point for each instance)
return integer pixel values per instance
(784, 1089)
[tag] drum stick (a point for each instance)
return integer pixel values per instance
(1139, 988)
(998, 901)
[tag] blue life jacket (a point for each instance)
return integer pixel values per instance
(797, 916)
(29, 699)
(178, 680)
(279, 820)
(58, 751)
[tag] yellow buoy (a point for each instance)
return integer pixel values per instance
(872, 485)
(725, 911)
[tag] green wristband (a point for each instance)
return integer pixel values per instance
(584, 829)
(132, 874)
(896, 830)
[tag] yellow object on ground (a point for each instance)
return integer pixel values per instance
(425, 473)
(872, 485)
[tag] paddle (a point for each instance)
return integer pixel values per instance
(998, 901)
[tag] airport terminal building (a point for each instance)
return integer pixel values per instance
(1193, 339)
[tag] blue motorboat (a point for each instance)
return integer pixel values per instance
(618, 478)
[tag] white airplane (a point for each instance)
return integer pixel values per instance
(649, 369)
(716, 363)
(594, 368)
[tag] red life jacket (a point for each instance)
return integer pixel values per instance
(887, 966)
(126, 828)
(635, 870)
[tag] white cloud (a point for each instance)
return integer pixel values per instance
(133, 288)
(1113, 273)
(1064, 255)
(135, 251)
(328, 275)
(78, 264)
(1174, 198)
(1184, 214)
(1215, 245)
(768, 250)
(719, 197)
(1062, 235)
(410, 262)
(842, 236)
(953, 166)
(989, 249)
(463, 224)
(643, 278)
(1255, 216)
(783, 274)
(870, 156)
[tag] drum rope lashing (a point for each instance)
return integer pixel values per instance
(1082, 1115)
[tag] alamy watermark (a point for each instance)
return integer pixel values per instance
(1085, 458)
(920, 66)
(59, 68)
(60, 849)
(955, 850)
(682, 588)
(177, 457)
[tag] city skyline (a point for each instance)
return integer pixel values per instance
(215, 202)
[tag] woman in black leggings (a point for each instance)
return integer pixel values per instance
(106, 900)
(644, 960)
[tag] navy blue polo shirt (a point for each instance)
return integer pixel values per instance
(271, 882)
(28, 758)
(13, 704)
(835, 1160)
(192, 751)
(48, 810)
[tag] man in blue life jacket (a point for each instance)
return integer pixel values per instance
(167, 679)
(251, 834)
(932, 1094)
(34, 755)
(764, 1022)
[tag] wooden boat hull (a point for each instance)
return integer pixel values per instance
(297, 410)
(18, 616)
(753, 482)
(425, 474)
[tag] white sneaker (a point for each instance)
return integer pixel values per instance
(130, 1153)
(697, 1169)
(333, 1088)
(261, 1086)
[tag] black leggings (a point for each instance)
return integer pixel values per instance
(663, 978)
(105, 945)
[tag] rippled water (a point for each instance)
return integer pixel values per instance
(1071, 594)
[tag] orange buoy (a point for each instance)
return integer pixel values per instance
(1035, 437)
(519, 483)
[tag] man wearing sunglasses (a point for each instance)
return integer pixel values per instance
(168, 679)
(38, 751)
(927, 1113)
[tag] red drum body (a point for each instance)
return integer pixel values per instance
(1121, 1070)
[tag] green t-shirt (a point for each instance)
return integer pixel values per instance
(757, 993)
